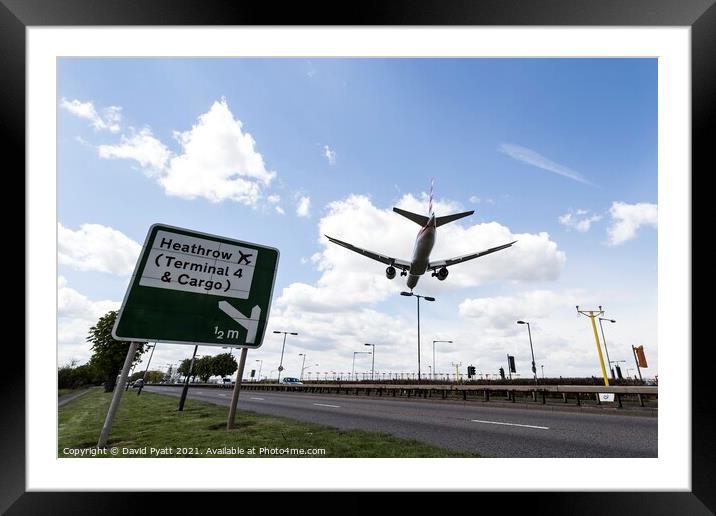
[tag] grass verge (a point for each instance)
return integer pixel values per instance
(150, 426)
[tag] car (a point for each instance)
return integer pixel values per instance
(138, 383)
(291, 381)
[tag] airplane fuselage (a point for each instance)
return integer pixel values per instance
(424, 243)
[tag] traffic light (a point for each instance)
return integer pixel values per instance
(511, 361)
(470, 371)
(502, 373)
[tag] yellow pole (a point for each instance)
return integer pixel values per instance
(592, 316)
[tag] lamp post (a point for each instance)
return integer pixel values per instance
(372, 369)
(280, 366)
(353, 370)
(309, 373)
(427, 298)
(529, 332)
(542, 366)
(433, 371)
(605, 343)
(261, 364)
(303, 364)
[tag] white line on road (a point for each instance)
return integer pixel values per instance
(256, 399)
(324, 405)
(223, 395)
(509, 424)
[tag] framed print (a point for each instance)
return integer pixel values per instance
(545, 151)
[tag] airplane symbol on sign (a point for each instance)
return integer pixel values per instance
(245, 258)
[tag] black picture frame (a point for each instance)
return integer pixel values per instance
(700, 15)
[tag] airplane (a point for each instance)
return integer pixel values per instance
(424, 243)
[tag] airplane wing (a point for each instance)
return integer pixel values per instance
(395, 262)
(452, 261)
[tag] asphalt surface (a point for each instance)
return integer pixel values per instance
(65, 399)
(463, 426)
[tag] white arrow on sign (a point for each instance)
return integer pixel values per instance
(250, 324)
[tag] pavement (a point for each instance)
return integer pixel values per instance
(493, 431)
(66, 398)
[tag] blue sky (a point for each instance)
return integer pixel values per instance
(535, 146)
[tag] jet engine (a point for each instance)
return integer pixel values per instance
(390, 272)
(442, 274)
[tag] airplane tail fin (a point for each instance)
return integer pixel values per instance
(430, 201)
(440, 221)
(418, 219)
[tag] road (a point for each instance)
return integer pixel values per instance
(463, 426)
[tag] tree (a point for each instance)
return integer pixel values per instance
(184, 368)
(224, 365)
(154, 376)
(71, 377)
(204, 368)
(109, 354)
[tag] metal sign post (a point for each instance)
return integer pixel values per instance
(117, 396)
(230, 423)
(185, 389)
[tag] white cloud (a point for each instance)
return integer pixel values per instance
(628, 218)
(503, 312)
(110, 121)
(530, 157)
(578, 220)
(303, 206)
(71, 303)
(142, 147)
(94, 247)
(474, 199)
(217, 161)
(76, 315)
(279, 210)
(273, 199)
(329, 154)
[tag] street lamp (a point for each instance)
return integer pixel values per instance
(353, 370)
(261, 364)
(308, 367)
(534, 368)
(372, 370)
(427, 298)
(280, 366)
(302, 364)
(433, 371)
(605, 343)
(542, 366)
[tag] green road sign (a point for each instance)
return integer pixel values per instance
(193, 288)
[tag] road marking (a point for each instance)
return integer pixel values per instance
(509, 424)
(223, 395)
(324, 405)
(256, 399)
